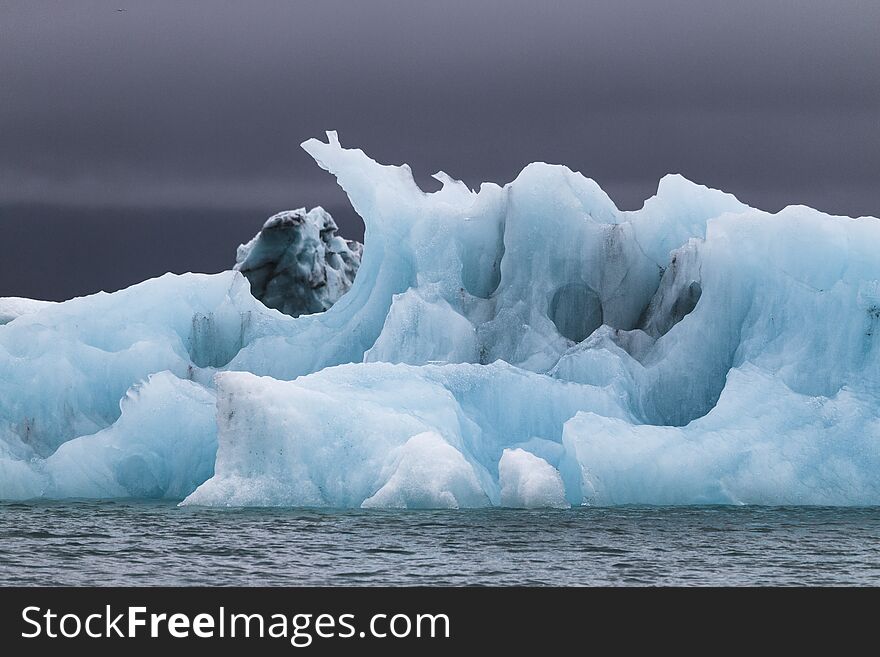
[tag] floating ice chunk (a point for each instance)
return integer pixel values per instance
(428, 473)
(529, 482)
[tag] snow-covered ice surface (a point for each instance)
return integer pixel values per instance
(12, 307)
(525, 346)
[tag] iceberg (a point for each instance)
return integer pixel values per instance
(527, 345)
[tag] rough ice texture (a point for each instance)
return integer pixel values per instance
(522, 346)
(298, 264)
(528, 481)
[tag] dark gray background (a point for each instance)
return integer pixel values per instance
(157, 138)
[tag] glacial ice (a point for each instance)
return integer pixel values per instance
(524, 346)
(12, 307)
(297, 263)
(528, 481)
(162, 446)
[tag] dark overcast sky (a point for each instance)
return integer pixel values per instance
(157, 138)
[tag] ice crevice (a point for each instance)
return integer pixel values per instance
(526, 345)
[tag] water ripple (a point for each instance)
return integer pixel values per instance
(118, 543)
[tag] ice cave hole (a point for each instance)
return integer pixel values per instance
(576, 311)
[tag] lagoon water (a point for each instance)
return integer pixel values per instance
(137, 543)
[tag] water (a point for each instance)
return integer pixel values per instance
(114, 543)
